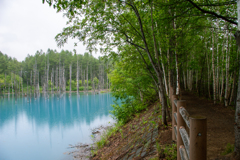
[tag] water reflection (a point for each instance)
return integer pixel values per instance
(43, 128)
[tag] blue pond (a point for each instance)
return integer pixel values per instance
(44, 128)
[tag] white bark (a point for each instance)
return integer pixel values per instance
(70, 75)
(164, 75)
(177, 72)
(169, 73)
(87, 77)
(77, 77)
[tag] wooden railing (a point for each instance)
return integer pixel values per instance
(190, 132)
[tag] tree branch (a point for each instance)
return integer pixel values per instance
(212, 13)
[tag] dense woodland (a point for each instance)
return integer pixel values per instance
(35, 71)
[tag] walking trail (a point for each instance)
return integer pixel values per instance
(220, 122)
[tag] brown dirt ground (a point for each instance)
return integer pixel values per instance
(138, 138)
(220, 123)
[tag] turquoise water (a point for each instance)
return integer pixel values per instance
(44, 128)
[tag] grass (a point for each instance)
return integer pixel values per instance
(229, 149)
(170, 151)
(109, 132)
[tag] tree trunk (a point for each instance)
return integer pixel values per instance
(237, 112)
(227, 74)
(237, 122)
(70, 76)
(237, 116)
(164, 75)
(87, 77)
(217, 79)
(208, 65)
(222, 85)
(213, 71)
(233, 87)
(169, 72)
(77, 77)
(178, 90)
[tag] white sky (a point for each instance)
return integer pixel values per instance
(28, 25)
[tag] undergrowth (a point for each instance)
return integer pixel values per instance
(126, 111)
(168, 152)
(229, 149)
(109, 132)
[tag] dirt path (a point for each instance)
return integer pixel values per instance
(220, 122)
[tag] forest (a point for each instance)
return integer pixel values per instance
(35, 71)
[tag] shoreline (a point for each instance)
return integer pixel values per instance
(83, 151)
(89, 91)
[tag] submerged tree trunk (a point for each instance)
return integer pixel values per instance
(87, 77)
(70, 76)
(77, 78)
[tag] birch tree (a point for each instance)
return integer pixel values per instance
(237, 111)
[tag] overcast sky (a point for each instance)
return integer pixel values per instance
(28, 25)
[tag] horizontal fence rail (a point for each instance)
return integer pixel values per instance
(185, 138)
(185, 116)
(190, 132)
(183, 153)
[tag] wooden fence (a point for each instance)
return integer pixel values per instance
(190, 132)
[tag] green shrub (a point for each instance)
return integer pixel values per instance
(74, 88)
(171, 152)
(124, 112)
(82, 88)
(229, 149)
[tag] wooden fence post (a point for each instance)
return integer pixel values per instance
(180, 122)
(174, 97)
(198, 138)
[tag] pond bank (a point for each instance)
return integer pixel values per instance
(84, 151)
(144, 137)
